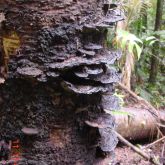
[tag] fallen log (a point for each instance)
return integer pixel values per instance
(137, 124)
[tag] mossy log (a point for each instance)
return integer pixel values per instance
(59, 78)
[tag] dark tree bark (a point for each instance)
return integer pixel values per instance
(156, 50)
(59, 80)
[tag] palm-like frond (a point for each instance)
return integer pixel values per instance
(134, 9)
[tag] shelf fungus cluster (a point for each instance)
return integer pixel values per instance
(59, 79)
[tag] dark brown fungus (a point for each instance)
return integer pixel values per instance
(53, 74)
(93, 70)
(81, 74)
(92, 46)
(102, 121)
(29, 71)
(85, 52)
(83, 89)
(110, 76)
(105, 124)
(106, 57)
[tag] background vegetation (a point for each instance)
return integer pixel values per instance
(141, 36)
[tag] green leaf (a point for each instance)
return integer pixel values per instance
(123, 43)
(139, 50)
(127, 40)
(152, 42)
(120, 97)
(161, 32)
(120, 113)
(130, 47)
(150, 38)
(137, 39)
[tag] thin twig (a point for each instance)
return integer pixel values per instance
(159, 132)
(137, 150)
(163, 150)
(155, 142)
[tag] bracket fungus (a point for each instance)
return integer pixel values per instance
(105, 125)
(30, 131)
(60, 72)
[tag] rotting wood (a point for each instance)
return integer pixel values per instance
(61, 67)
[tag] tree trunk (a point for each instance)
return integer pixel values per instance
(59, 80)
(156, 50)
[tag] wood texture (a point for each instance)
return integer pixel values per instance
(58, 78)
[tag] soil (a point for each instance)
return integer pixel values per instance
(125, 156)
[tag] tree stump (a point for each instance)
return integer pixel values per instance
(59, 76)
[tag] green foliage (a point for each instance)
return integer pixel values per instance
(110, 38)
(120, 113)
(120, 97)
(128, 41)
(121, 102)
(154, 94)
(134, 9)
(150, 40)
(136, 37)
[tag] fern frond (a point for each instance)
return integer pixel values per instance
(134, 9)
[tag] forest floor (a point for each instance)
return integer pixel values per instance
(125, 156)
